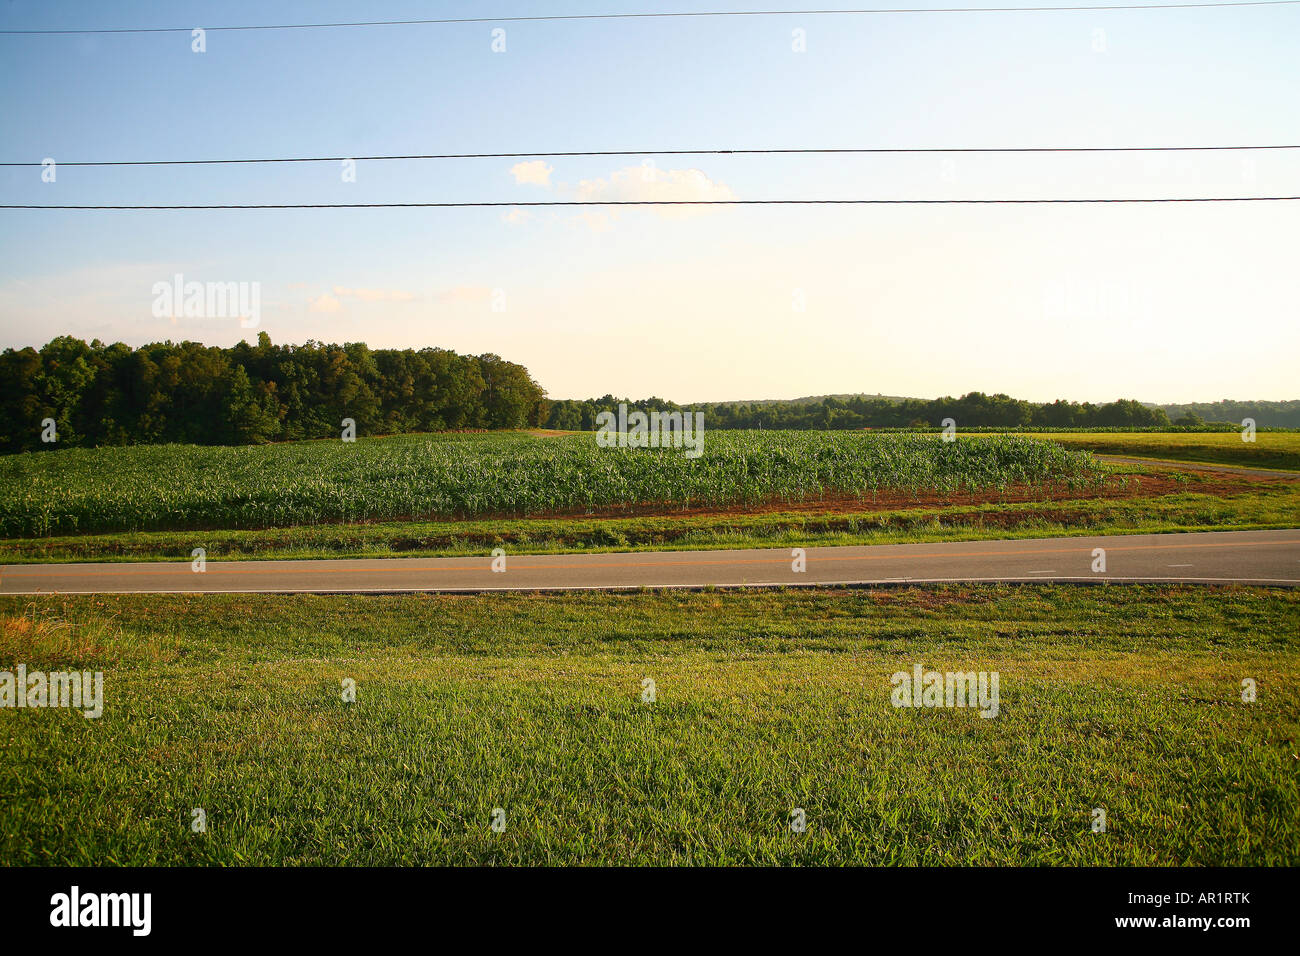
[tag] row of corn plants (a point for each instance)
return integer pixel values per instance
(175, 487)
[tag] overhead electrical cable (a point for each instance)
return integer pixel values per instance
(660, 16)
(667, 202)
(779, 151)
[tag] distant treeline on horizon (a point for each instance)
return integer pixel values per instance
(973, 410)
(190, 393)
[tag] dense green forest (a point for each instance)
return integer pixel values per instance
(101, 394)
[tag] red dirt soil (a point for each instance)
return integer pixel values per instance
(1148, 485)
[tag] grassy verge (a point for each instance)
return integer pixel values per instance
(1124, 698)
(1279, 450)
(1268, 506)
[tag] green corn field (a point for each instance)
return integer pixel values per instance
(174, 487)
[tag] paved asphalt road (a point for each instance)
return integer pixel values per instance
(1254, 557)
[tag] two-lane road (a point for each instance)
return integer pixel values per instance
(1243, 557)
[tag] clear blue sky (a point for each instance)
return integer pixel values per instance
(1163, 303)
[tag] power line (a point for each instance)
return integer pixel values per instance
(678, 202)
(667, 152)
(666, 16)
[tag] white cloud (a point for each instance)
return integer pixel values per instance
(648, 183)
(595, 220)
(374, 295)
(643, 183)
(326, 303)
(463, 293)
(535, 172)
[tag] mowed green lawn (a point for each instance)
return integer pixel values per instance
(1121, 698)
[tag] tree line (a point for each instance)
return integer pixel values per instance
(186, 392)
(972, 410)
(99, 394)
(1266, 414)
